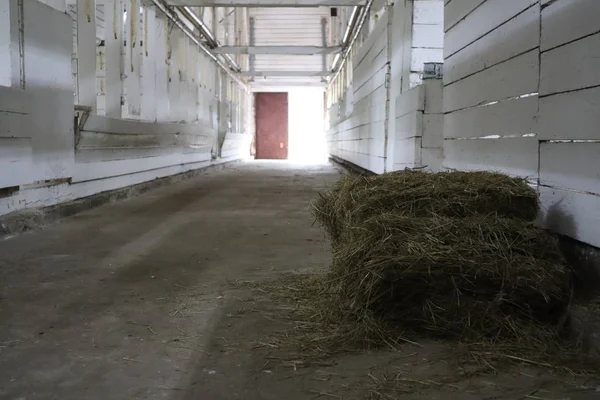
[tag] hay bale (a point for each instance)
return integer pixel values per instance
(423, 194)
(464, 278)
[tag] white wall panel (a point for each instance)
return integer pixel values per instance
(517, 36)
(574, 214)
(492, 50)
(572, 66)
(514, 77)
(409, 125)
(434, 96)
(455, 11)
(572, 115)
(481, 21)
(428, 36)
(15, 157)
(511, 156)
(567, 20)
(407, 153)
(432, 159)
(574, 166)
(410, 101)
(360, 136)
(429, 12)
(506, 118)
(433, 135)
(422, 55)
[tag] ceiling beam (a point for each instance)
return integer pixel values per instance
(286, 86)
(279, 50)
(285, 73)
(265, 3)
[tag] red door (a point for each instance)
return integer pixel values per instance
(271, 126)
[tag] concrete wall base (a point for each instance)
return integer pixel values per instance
(35, 218)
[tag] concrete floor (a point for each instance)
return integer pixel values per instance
(133, 300)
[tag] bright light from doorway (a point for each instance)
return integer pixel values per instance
(306, 140)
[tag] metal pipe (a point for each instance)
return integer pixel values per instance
(346, 51)
(174, 18)
(232, 63)
(351, 23)
(349, 28)
(191, 16)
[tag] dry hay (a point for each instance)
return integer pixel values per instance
(451, 255)
(464, 278)
(423, 194)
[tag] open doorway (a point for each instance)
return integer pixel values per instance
(306, 130)
(290, 125)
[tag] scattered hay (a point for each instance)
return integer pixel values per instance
(321, 327)
(423, 194)
(450, 256)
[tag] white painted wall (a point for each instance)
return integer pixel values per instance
(357, 121)
(521, 96)
(40, 154)
(427, 37)
(491, 79)
(418, 138)
(379, 115)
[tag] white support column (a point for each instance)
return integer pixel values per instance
(196, 81)
(190, 103)
(161, 68)
(10, 65)
(113, 14)
(126, 58)
(133, 70)
(86, 53)
(183, 103)
(203, 91)
(149, 55)
(174, 83)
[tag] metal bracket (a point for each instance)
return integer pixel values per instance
(80, 120)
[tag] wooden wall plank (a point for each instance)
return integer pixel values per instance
(572, 66)
(16, 157)
(379, 30)
(572, 115)
(407, 152)
(15, 100)
(374, 82)
(571, 166)
(573, 214)
(517, 157)
(567, 20)
(410, 101)
(481, 21)
(512, 117)
(434, 96)
(517, 36)
(515, 77)
(409, 125)
(457, 10)
(433, 126)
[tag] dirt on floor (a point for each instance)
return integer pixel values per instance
(134, 300)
